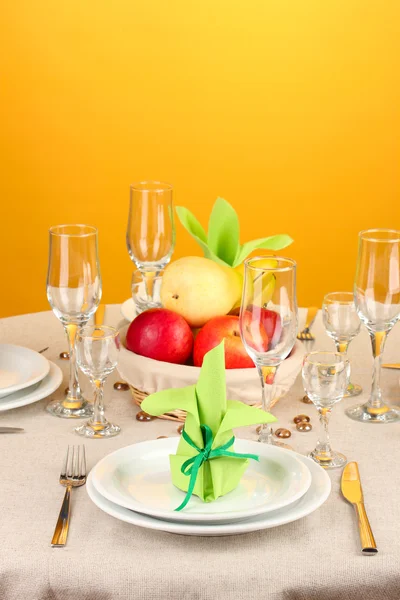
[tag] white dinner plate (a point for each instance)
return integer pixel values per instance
(316, 495)
(20, 368)
(138, 477)
(37, 392)
(128, 310)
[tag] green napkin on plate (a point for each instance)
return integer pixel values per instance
(205, 462)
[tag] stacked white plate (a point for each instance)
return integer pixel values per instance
(25, 376)
(134, 485)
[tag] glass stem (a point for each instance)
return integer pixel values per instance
(148, 278)
(267, 377)
(98, 406)
(323, 448)
(342, 347)
(378, 339)
(74, 397)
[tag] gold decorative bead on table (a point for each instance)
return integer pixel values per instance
(283, 433)
(121, 386)
(306, 400)
(301, 418)
(143, 417)
(303, 426)
(64, 356)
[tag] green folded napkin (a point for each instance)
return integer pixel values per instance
(205, 462)
(222, 242)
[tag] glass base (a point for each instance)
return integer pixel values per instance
(265, 438)
(58, 409)
(143, 306)
(368, 414)
(353, 390)
(104, 430)
(335, 461)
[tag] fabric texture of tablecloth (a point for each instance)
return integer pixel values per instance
(315, 558)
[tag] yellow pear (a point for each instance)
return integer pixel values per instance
(268, 285)
(199, 289)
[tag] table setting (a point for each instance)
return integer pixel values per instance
(206, 438)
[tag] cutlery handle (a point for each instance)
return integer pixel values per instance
(366, 536)
(311, 314)
(61, 531)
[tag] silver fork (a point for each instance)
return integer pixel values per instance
(305, 335)
(73, 474)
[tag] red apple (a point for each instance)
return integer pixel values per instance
(271, 323)
(253, 330)
(212, 333)
(160, 334)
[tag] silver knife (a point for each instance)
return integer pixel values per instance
(11, 430)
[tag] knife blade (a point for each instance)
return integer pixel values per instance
(11, 429)
(391, 366)
(352, 491)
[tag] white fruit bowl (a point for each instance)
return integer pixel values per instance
(149, 376)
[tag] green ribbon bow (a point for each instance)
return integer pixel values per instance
(191, 466)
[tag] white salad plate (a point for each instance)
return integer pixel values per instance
(138, 477)
(316, 495)
(36, 392)
(20, 368)
(128, 310)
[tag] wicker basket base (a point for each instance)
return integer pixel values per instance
(175, 415)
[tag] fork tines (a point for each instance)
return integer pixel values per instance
(305, 335)
(75, 463)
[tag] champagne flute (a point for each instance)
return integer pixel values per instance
(268, 321)
(342, 324)
(74, 293)
(325, 379)
(97, 351)
(150, 235)
(377, 299)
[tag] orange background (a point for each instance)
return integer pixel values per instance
(289, 109)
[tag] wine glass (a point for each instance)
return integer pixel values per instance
(342, 324)
(140, 297)
(326, 379)
(268, 321)
(97, 350)
(74, 292)
(377, 300)
(150, 235)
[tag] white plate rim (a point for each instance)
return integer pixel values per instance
(170, 444)
(270, 520)
(47, 386)
(43, 365)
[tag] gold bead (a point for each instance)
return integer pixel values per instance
(303, 426)
(300, 418)
(121, 386)
(306, 400)
(283, 433)
(143, 416)
(64, 356)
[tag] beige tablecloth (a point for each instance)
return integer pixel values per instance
(316, 558)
